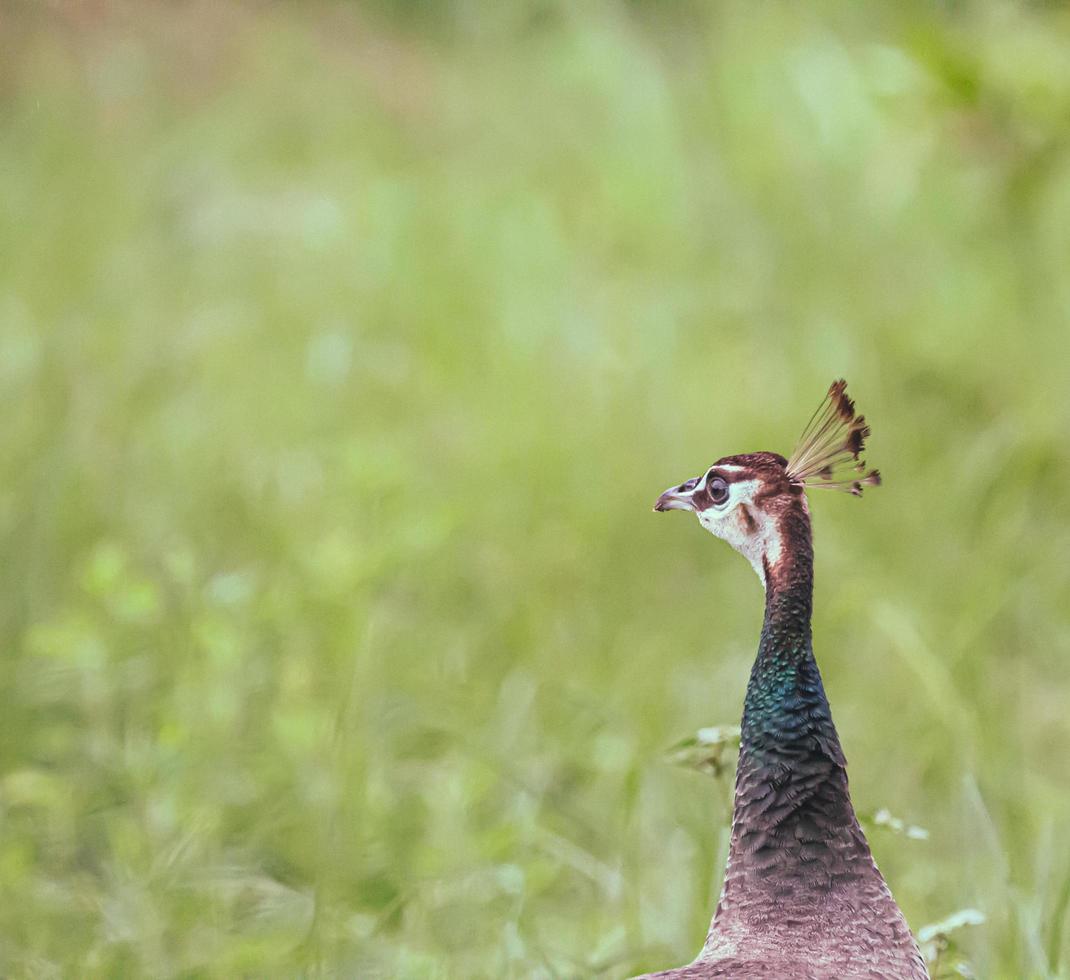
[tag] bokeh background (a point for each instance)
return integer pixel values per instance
(343, 350)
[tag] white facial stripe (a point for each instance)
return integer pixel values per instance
(723, 467)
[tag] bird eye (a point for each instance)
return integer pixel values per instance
(718, 490)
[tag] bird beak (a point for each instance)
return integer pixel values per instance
(678, 498)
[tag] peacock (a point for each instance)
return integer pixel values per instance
(802, 896)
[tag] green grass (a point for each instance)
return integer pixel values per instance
(341, 359)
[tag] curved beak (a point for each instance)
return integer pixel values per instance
(678, 498)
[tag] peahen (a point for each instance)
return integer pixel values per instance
(802, 896)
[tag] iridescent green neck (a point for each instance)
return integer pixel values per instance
(786, 715)
(793, 827)
(800, 881)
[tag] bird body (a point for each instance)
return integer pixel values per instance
(802, 895)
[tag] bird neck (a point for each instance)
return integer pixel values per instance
(792, 774)
(786, 704)
(800, 874)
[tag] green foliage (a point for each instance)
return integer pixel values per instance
(341, 360)
(710, 750)
(883, 820)
(941, 951)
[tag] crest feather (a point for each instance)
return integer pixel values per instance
(827, 454)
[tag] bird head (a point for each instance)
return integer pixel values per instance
(757, 501)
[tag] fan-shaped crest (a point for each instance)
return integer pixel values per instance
(827, 454)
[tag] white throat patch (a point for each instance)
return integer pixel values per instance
(756, 537)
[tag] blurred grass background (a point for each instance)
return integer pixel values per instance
(343, 350)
